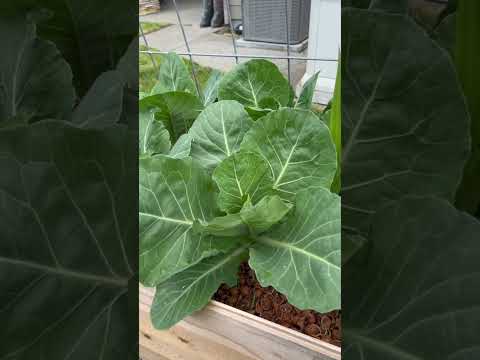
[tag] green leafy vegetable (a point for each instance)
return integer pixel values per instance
(210, 93)
(174, 193)
(49, 225)
(35, 81)
(262, 216)
(265, 106)
(242, 176)
(301, 258)
(218, 132)
(173, 76)
(432, 146)
(230, 225)
(177, 110)
(68, 220)
(256, 112)
(182, 147)
(245, 177)
(298, 149)
(102, 104)
(191, 289)
(335, 125)
(251, 82)
(153, 136)
(90, 39)
(387, 313)
(305, 98)
(409, 258)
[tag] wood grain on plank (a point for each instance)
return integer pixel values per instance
(221, 332)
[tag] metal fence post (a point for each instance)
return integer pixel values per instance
(231, 31)
(287, 23)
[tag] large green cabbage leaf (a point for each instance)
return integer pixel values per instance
(420, 282)
(256, 80)
(218, 132)
(210, 92)
(35, 81)
(173, 76)
(153, 136)
(182, 147)
(301, 257)
(401, 80)
(297, 147)
(305, 98)
(270, 210)
(192, 289)
(177, 110)
(242, 176)
(68, 233)
(102, 104)
(173, 194)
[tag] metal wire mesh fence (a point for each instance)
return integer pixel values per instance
(235, 55)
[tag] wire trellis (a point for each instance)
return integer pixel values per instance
(236, 55)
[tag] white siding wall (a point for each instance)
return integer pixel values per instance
(324, 42)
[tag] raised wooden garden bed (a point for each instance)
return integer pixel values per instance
(221, 332)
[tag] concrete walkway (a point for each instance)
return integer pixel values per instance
(207, 40)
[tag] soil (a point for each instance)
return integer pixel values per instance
(269, 304)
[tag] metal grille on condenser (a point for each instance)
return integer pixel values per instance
(264, 20)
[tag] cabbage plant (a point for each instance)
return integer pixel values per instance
(241, 172)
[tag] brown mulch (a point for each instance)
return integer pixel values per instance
(269, 304)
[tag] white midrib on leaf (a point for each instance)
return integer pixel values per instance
(285, 166)
(253, 91)
(225, 139)
(61, 271)
(211, 270)
(146, 135)
(167, 219)
(236, 178)
(281, 244)
(363, 114)
(172, 77)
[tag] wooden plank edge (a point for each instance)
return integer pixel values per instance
(308, 342)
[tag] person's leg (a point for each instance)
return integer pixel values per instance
(218, 16)
(207, 13)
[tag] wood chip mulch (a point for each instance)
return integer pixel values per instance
(269, 304)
